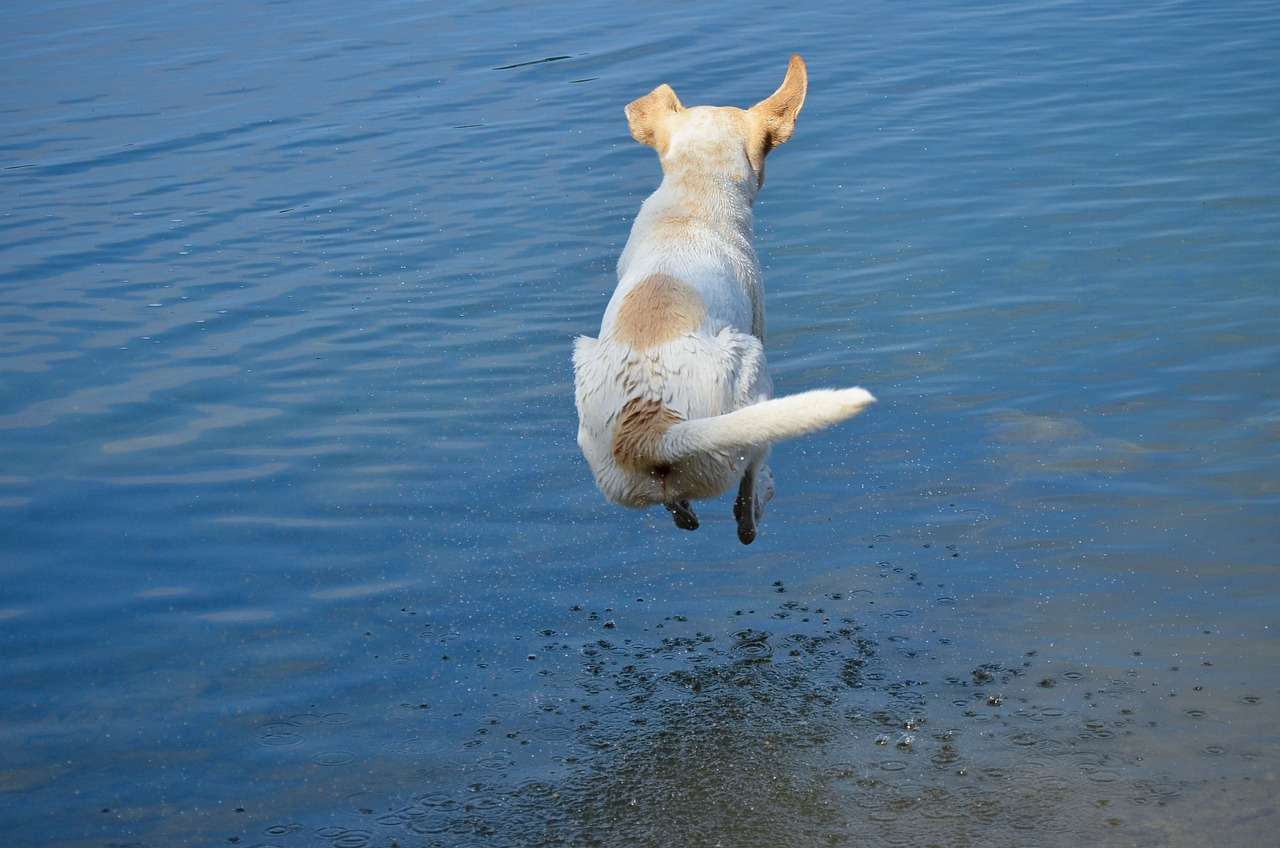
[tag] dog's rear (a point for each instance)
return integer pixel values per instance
(674, 396)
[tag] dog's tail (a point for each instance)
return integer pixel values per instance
(768, 421)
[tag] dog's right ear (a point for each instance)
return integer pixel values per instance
(648, 115)
(778, 112)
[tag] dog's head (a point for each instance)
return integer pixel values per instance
(721, 138)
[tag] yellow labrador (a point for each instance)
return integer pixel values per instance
(674, 397)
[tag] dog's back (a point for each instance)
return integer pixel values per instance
(673, 397)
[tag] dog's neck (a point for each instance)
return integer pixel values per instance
(718, 196)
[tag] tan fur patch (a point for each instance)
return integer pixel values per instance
(649, 116)
(641, 425)
(659, 309)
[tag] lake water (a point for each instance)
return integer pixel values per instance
(297, 546)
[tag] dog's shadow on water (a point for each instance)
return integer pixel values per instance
(801, 727)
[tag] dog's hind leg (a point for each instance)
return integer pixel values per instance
(754, 492)
(683, 515)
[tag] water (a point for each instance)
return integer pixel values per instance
(297, 545)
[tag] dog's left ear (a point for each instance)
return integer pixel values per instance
(647, 117)
(777, 114)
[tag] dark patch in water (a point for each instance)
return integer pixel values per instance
(532, 62)
(817, 732)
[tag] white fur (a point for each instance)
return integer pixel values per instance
(679, 364)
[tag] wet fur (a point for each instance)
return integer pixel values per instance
(674, 396)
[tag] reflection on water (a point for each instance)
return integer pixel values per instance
(297, 547)
(1036, 444)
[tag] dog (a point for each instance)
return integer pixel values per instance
(674, 397)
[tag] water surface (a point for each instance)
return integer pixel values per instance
(297, 545)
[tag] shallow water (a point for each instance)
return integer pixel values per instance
(297, 545)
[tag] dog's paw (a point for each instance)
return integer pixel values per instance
(764, 490)
(748, 508)
(683, 515)
(746, 511)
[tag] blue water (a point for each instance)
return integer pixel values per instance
(297, 546)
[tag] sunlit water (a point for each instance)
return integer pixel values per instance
(297, 545)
